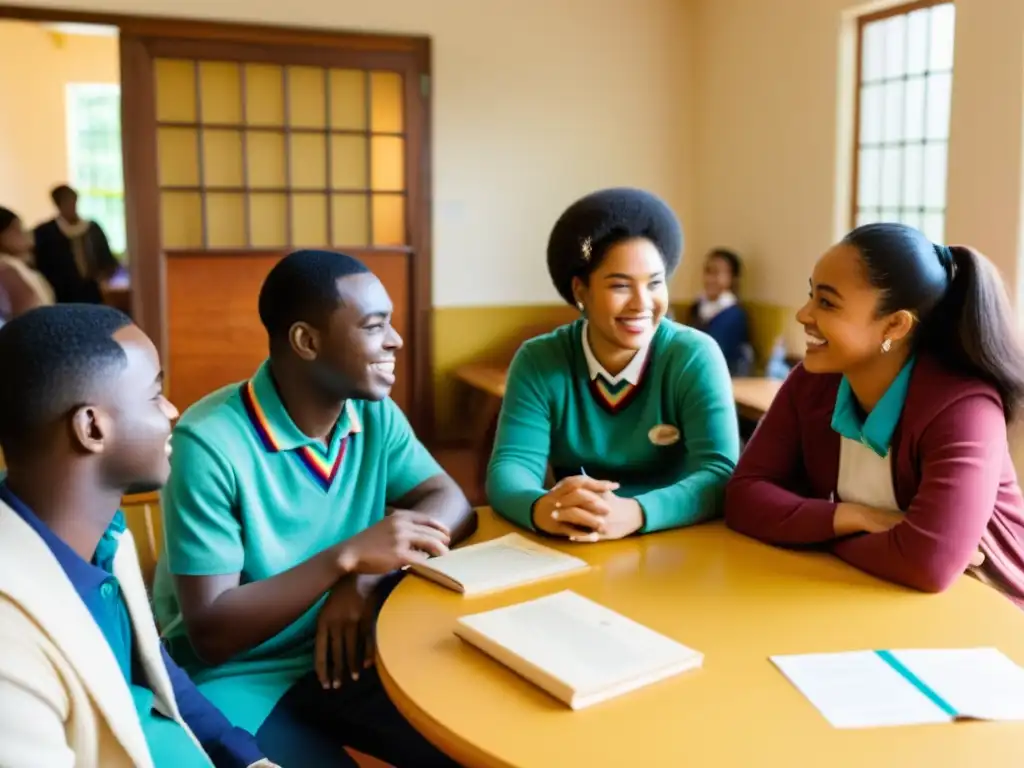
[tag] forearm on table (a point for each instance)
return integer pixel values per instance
(244, 616)
(441, 499)
(768, 512)
(694, 499)
(512, 494)
(904, 556)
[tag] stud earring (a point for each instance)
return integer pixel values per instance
(886, 345)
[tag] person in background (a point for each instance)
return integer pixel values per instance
(718, 313)
(295, 499)
(84, 679)
(633, 412)
(72, 253)
(887, 446)
(21, 287)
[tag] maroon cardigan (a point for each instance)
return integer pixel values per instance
(952, 475)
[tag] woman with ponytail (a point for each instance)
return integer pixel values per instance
(888, 445)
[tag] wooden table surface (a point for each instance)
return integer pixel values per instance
(735, 600)
(754, 396)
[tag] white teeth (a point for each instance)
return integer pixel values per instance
(385, 367)
(814, 341)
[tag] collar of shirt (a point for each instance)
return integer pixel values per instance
(274, 422)
(630, 373)
(876, 430)
(84, 576)
(707, 308)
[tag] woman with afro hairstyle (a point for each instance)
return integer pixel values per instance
(632, 411)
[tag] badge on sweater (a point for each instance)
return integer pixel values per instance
(664, 434)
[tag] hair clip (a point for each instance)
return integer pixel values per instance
(585, 248)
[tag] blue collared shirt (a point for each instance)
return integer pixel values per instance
(877, 429)
(226, 746)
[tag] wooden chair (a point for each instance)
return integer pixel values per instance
(142, 514)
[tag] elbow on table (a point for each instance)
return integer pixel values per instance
(738, 509)
(931, 578)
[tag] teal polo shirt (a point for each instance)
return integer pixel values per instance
(250, 493)
(876, 430)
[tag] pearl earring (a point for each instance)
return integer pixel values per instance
(579, 306)
(886, 345)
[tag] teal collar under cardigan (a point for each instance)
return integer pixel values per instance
(877, 429)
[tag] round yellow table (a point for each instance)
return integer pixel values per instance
(733, 599)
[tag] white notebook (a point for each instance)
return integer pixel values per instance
(870, 689)
(578, 651)
(508, 561)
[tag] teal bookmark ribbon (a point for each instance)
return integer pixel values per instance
(918, 683)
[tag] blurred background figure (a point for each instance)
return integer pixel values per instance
(72, 253)
(718, 313)
(21, 287)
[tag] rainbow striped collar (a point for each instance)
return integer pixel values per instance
(613, 393)
(278, 433)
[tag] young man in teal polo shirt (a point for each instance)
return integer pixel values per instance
(294, 500)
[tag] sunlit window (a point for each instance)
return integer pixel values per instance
(905, 81)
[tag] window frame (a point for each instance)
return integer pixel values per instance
(863, 20)
(73, 92)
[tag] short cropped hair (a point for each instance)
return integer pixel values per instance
(593, 224)
(303, 287)
(60, 192)
(54, 359)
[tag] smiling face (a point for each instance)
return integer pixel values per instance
(135, 419)
(356, 355)
(717, 276)
(843, 327)
(626, 296)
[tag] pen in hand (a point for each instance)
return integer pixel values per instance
(593, 535)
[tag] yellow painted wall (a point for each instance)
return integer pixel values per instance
(35, 67)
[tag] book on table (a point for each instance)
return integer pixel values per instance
(508, 561)
(580, 652)
(871, 689)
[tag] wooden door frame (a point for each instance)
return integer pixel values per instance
(141, 184)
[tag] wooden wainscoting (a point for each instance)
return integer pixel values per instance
(214, 332)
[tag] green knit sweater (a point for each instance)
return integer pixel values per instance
(554, 414)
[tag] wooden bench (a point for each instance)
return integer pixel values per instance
(754, 396)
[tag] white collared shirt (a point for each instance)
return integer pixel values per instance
(707, 309)
(630, 373)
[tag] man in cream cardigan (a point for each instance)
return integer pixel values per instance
(84, 681)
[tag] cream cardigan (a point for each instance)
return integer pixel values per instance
(64, 702)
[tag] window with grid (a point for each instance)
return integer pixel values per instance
(905, 82)
(94, 156)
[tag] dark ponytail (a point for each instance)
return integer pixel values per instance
(974, 330)
(966, 320)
